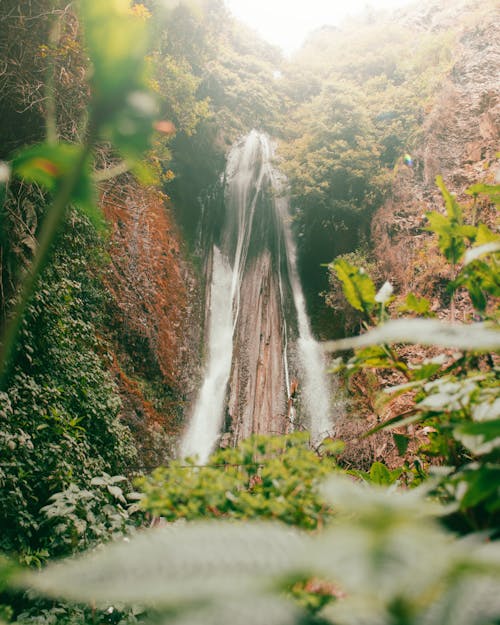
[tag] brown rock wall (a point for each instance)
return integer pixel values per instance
(257, 389)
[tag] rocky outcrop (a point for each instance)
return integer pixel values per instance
(153, 318)
(257, 387)
(462, 131)
(459, 140)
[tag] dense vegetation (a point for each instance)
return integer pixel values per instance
(376, 551)
(60, 400)
(356, 110)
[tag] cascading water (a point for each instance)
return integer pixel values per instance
(206, 423)
(316, 394)
(257, 316)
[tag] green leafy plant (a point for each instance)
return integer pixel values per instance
(263, 477)
(59, 413)
(79, 518)
(379, 474)
(121, 109)
(386, 553)
(59, 420)
(455, 393)
(274, 478)
(358, 287)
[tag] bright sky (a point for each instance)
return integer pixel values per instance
(287, 22)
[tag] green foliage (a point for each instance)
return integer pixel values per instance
(273, 478)
(348, 318)
(384, 551)
(478, 338)
(358, 287)
(59, 416)
(464, 412)
(180, 564)
(7, 570)
(491, 190)
(418, 305)
(120, 109)
(241, 85)
(379, 475)
(60, 436)
(60, 425)
(450, 229)
(79, 518)
(51, 613)
(49, 165)
(265, 478)
(478, 276)
(356, 100)
(455, 394)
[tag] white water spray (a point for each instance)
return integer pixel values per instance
(316, 397)
(206, 422)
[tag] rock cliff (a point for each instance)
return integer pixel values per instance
(458, 140)
(153, 315)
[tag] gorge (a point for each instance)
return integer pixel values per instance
(180, 303)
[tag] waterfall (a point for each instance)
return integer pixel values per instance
(259, 336)
(316, 394)
(206, 421)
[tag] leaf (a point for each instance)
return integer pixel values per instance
(492, 190)
(248, 610)
(118, 43)
(485, 235)
(467, 231)
(489, 430)
(8, 569)
(374, 356)
(44, 164)
(475, 337)
(401, 441)
(481, 484)
(131, 127)
(424, 371)
(479, 278)
(393, 422)
(482, 250)
(417, 305)
(117, 492)
(481, 437)
(99, 481)
(450, 237)
(49, 166)
(358, 287)
(386, 545)
(452, 206)
(379, 474)
(370, 501)
(188, 562)
(473, 599)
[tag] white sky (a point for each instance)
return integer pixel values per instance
(287, 22)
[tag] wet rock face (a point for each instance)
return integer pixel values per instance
(257, 388)
(258, 336)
